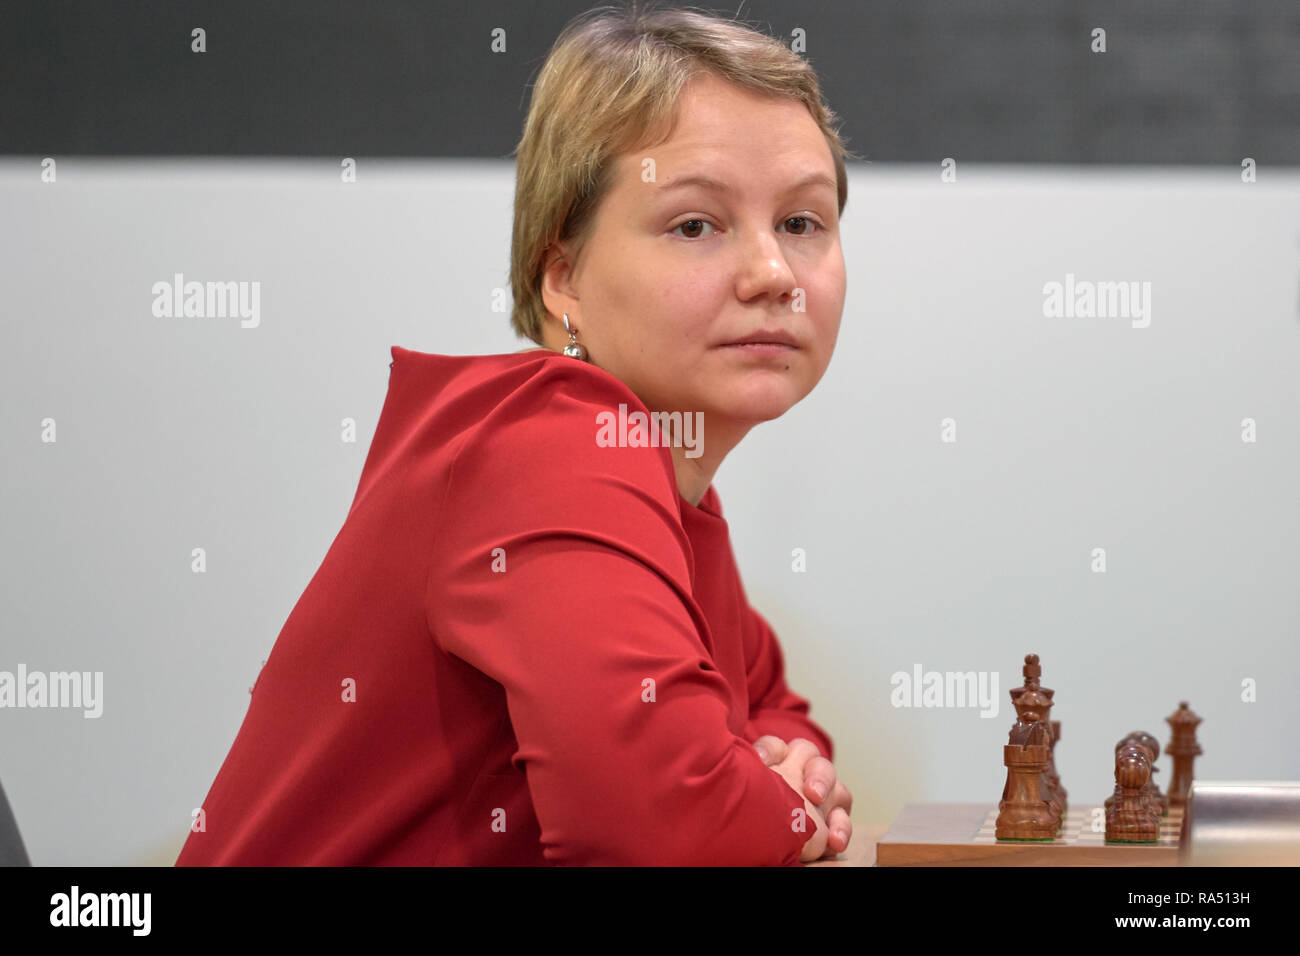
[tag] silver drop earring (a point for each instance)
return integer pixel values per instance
(573, 349)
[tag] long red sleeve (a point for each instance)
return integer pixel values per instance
(774, 708)
(522, 648)
(593, 616)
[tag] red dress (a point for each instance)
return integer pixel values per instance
(522, 648)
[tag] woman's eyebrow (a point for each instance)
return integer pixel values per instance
(813, 179)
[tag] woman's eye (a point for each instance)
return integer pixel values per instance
(692, 225)
(806, 223)
(802, 226)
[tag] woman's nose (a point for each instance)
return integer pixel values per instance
(763, 268)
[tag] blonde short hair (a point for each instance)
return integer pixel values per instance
(611, 80)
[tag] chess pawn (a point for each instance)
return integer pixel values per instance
(1148, 798)
(1024, 812)
(1152, 746)
(1183, 748)
(1130, 819)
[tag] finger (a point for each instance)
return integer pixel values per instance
(841, 830)
(840, 797)
(818, 779)
(799, 751)
(815, 847)
(771, 748)
(819, 820)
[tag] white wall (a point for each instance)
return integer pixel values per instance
(1072, 434)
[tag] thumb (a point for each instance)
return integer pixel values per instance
(771, 749)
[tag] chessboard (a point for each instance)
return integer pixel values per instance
(961, 834)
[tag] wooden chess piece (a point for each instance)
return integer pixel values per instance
(1129, 818)
(1049, 778)
(1183, 748)
(1158, 800)
(1148, 795)
(1023, 812)
(1051, 786)
(1051, 761)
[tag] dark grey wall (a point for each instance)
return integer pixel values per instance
(1182, 81)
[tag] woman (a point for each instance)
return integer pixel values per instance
(529, 643)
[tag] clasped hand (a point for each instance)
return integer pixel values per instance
(826, 799)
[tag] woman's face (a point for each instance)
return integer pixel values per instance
(674, 271)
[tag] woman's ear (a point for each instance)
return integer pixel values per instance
(557, 280)
(558, 294)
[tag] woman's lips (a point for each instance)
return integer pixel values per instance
(762, 348)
